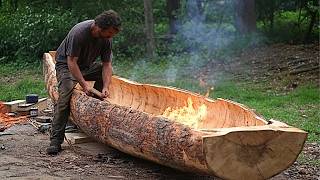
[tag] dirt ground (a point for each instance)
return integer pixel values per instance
(282, 67)
(22, 147)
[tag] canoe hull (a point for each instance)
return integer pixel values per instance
(246, 152)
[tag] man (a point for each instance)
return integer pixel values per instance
(75, 59)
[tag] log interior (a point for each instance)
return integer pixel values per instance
(155, 100)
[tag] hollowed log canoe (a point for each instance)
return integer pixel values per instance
(231, 142)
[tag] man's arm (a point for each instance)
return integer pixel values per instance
(106, 77)
(76, 73)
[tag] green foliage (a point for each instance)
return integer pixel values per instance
(32, 29)
(288, 20)
(28, 33)
(28, 28)
(287, 28)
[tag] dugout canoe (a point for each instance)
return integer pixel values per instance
(223, 138)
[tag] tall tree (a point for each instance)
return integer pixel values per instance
(172, 8)
(200, 6)
(245, 16)
(67, 4)
(13, 4)
(313, 11)
(149, 29)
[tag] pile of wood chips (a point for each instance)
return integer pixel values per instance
(7, 121)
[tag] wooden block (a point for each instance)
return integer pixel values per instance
(47, 111)
(53, 54)
(41, 105)
(78, 138)
(21, 105)
(11, 114)
(12, 106)
(43, 119)
(24, 107)
(23, 113)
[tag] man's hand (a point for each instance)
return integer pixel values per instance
(106, 77)
(105, 92)
(87, 89)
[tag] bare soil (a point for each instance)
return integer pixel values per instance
(23, 156)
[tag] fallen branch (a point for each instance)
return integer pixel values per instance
(304, 70)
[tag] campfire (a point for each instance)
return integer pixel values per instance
(187, 115)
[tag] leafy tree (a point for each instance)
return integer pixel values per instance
(149, 29)
(245, 17)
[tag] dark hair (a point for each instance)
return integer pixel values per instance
(108, 19)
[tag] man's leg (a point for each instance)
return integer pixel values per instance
(62, 111)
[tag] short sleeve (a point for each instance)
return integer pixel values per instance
(74, 43)
(106, 53)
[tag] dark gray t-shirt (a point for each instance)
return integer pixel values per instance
(80, 43)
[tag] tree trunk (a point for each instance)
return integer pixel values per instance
(313, 13)
(200, 7)
(172, 8)
(149, 29)
(245, 17)
(14, 5)
(230, 136)
(271, 14)
(66, 4)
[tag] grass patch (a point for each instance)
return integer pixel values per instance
(18, 80)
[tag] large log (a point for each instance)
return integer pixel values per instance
(229, 141)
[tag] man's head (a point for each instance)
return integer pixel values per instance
(106, 24)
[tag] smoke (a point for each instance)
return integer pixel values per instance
(171, 73)
(137, 70)
(203, 32)
(205, 27)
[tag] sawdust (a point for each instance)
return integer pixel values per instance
(7, 121)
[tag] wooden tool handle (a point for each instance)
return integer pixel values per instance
(97, 93)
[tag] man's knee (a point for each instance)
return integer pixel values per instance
(66, 86)
(65, 91)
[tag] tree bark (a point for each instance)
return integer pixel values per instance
(172, 8)
(245, 16)
(149, 28)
